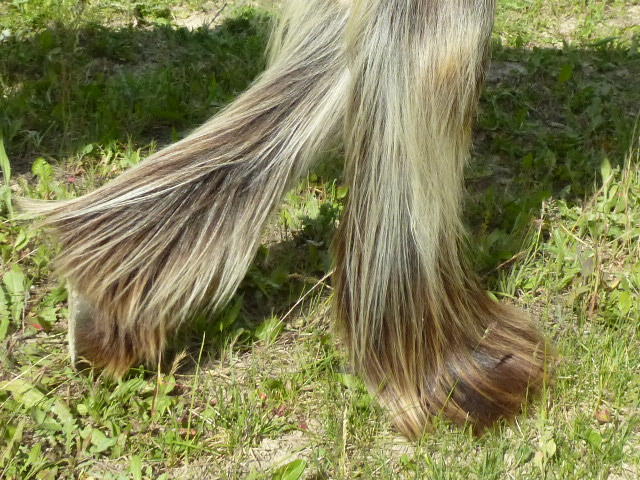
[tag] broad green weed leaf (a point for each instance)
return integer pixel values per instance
(47, 315)
(100, 441)
(625, 302)
(290, 471)
(524, 454)
(29, 396)
(136, 467)
(566, 73)
(352, 382)
(16, 285)
(35, 454)
(595, 440)
(21, 240)
(15, 439)
(5, 197)
(15, 281)
(56, 296)
(44, 171)
(549, 448)
(5, 166)
(24, 392)
(131, 386)
(4, 314)
(269, 330)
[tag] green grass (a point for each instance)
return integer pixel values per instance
(88, 89)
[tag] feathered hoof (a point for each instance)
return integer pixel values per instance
(81, 315)
(479, 382)
(497, 378)
(100, 341)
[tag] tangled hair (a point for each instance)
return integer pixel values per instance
(399, 81)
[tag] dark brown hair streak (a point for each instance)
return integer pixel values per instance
(178, 232)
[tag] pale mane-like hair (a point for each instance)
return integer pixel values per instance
(398, 80)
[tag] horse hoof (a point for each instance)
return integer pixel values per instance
(81, 314)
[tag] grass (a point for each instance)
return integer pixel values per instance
(262, 390)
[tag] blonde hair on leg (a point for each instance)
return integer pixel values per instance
(418, 326)
(178, 232)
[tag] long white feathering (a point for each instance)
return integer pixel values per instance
(418, 326)
(400, 80)
(179, 231)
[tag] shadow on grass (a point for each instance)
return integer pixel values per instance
(548, 119)
(66, 88)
